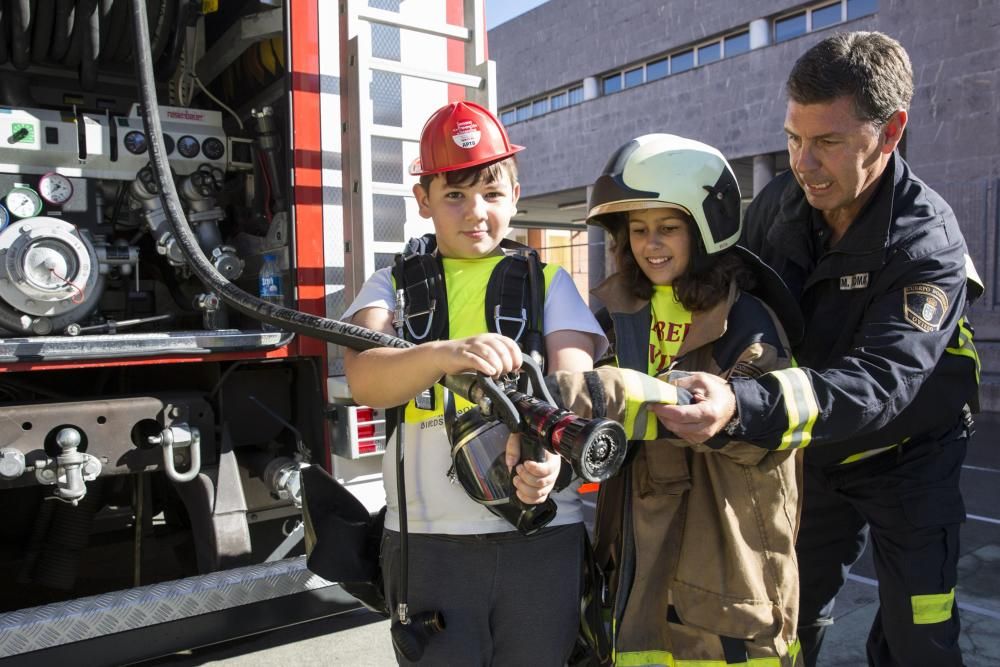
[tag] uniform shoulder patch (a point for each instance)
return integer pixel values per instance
(924, 306)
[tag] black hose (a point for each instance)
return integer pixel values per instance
(62, 29)
(20, 35)
(42, 30)
(4, 15)
(187, 14)
(90, 48)
(331, 331)
(117, 32)
(75, 50)
(164, 24)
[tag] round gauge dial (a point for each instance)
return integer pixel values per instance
(4, 217)
(135, 142)
(213, 148)
(188, 146)
(23, 202)
(55, 188)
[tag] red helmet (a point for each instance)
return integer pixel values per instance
(458, 136)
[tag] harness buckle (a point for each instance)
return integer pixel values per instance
(430, 320)
(498, 318)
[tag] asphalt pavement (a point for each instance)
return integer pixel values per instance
(361, 639)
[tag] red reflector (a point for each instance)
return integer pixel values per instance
(367, 448)
(590, 487)
(366, 427)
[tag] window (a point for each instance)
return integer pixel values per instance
(523, 113)
(540, 107)
(709, 53)
(612, 84)
(825, 16)
(576, 95)
(657, 69)
(856, 8)
(789, 27)
(558, 101)
(633, 77)
(737, 44)
(680, 62)
(508, 117)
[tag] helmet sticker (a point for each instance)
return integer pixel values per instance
(466, 134)
(924, 306)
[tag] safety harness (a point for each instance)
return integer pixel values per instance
(515, 295)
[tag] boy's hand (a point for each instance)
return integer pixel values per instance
(534, 480)
(489, 354)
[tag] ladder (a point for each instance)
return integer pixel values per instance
(421, 55)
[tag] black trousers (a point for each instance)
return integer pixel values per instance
(907, 501)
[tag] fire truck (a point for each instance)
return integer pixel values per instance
(153, 426)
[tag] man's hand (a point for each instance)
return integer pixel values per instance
(714, 407)
(534, 480)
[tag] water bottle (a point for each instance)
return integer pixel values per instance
(269, 283)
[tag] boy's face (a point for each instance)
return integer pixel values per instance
(470, 220)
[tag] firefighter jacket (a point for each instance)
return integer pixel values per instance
(887, 352)
(698, 544)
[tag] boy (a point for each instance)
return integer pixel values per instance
(506, 598)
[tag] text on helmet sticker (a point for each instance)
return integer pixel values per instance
(924, 306)
(466, 134)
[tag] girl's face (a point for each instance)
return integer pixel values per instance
(661, 243)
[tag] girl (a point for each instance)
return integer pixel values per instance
(698, 541)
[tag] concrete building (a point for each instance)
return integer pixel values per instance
(577, 78)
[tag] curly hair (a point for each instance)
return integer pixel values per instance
(703, 285)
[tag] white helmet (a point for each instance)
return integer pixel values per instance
(666, 170)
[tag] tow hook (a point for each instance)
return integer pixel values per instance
(71, 469)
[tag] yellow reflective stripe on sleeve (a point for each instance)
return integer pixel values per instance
(801, 407)
(934, 608)
(860, 456)
(641, 390)
(966, 347)
(667, 659)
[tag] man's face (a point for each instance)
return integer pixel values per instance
(469, 220)
(836, 157)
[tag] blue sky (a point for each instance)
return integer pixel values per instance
(499, 11)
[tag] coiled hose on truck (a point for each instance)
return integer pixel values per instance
(331, 331)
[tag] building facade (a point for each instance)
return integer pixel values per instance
(578, 78)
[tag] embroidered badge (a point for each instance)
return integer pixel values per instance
(856, 281)
(924, 306)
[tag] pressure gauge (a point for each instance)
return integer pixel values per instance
(55, 188)
(4, 217)
(23, 202)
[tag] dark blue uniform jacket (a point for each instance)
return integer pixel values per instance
(887, 353)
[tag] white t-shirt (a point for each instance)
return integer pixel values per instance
(433, 503)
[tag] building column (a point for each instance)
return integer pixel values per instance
(597, 245)
(763, 171)
(760, 33)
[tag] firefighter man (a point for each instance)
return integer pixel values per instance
(887, 369)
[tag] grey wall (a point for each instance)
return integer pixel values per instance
(737, 104)
(562, 41)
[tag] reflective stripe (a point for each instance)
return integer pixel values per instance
(667, 659)
(861, 456)
(934, 608)
(966, 347)
(800, 405)
(641, 390)
(972, 274)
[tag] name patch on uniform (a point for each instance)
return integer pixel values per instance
(924, 306)
(856, 281)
